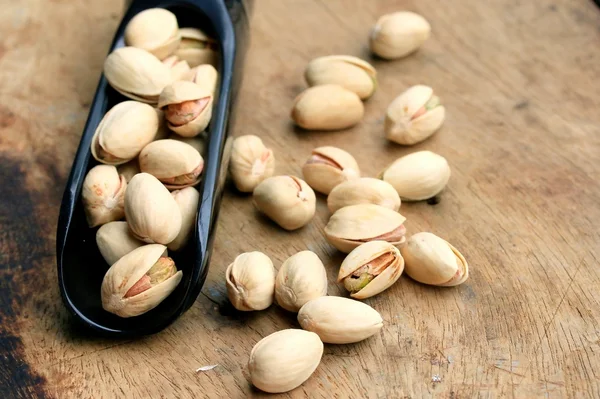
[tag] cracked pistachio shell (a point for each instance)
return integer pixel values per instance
(398, 34)
(329, 166)
(129, 169)
(103, 193)
(136, 74)
(187, 199)
(354, 225)
(379, 259)
(179, 68)
(198, 142)
(187, 107)
(365, 190)
(287, 200)
(114, 241)
(251, 281)
(338, 320)
(251, 162)
(352, 73)
(197, 48)
(127, 272)
(301, 278)
(154, 30)
(414, 116)
(151, 212)
(285, 359)
(327, 107)
(418, 176)
(176, 164)
(434, 261)
(123, 132)
(205, 76)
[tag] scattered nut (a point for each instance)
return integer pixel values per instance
(329, 166)
(302, 277)
(365, 190)
(352, 73)
(398, 34)
(103, 193)
(250, 163)
(251, 281)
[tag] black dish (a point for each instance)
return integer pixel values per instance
(81, 267)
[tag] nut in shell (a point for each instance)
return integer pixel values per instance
(179, 68)
(103, 194)
(251, 162)
(176, 164)
(155, 30)
(251, 281)
(329, 166)
(349, 72)
(301, 278)
(365, 190)
(197, 48)
(205, 76)
(187, 107)
(398, 34)
(114, 241)
(187, 199)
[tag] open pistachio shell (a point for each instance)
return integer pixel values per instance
(197, 48)
(174, 163)
(349, 72)
(251, 281)
(114, 240)
(154, 30)
(365, 190)
(103, 194)
(187, 199)
(187, 107)
(329, 166)
(301, 278)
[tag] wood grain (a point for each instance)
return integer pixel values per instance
(522, 135)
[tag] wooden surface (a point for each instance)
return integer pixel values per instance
(520, 80)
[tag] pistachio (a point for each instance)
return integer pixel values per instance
(123, 132)
(398, 34)
(187, 199)
(354, 225)
(151, 212)
(287, 200)
(205, 76)
(136, 74)
(365, 190)
(197, 48)
(187, 107)
(103, 194)
(301, 278)
(139, 281)
(285, 359)
(179, 68)
(154, 30)
(129, 169)
(338, 320)
(371, 268)
(114, 241)
(250, 163)
(434, 261)
(198, 142)
(414, 116)
(329, 166)
(352, 73)
(418, 176)
(174, 163)
(327, 107)
(251, 281)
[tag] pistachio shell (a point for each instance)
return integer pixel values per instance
(174, 163)
(187, 106)
(338, 320)
(205, 76)
(352, 73)
(354, 225)
(285, 359)
(327, 107)
(151, 212)
(418, 176)
(329, 166)
(123, 132)
(434, 261)
(398, 34)
(114, 240)
(251, 281)
(365, 190)
(179, 68)
(251, 162)
(197, 48)
(129, 169)
(103, 193)
(187, 199)
(155, 30)
(301, 278)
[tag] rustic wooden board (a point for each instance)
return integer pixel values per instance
(520, 82)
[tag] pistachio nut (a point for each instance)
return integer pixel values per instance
(354, 225)
(301, 278)
(198, 142)
(398, 34)
(174, 163)
(285, 359)
(327, 107)
(197, 48)
(251, 281)
(129, 169)
(187, 107)
(205, 76)
(352, 73)
(370, 269)
(123, 131)
(139, 281)
(365, 190)
(154, 30)
(102, 194)
(187, 199)
(434, 261)
(418, 176)
(179, 68)
(329, 166)
(136, 74)
(414, 116)
(338, 320)
(150, 210)
(251, 162)
(114, 241)
(287, 200)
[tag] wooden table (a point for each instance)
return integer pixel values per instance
(520, 80)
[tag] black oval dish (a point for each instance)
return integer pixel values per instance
(81, 267)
